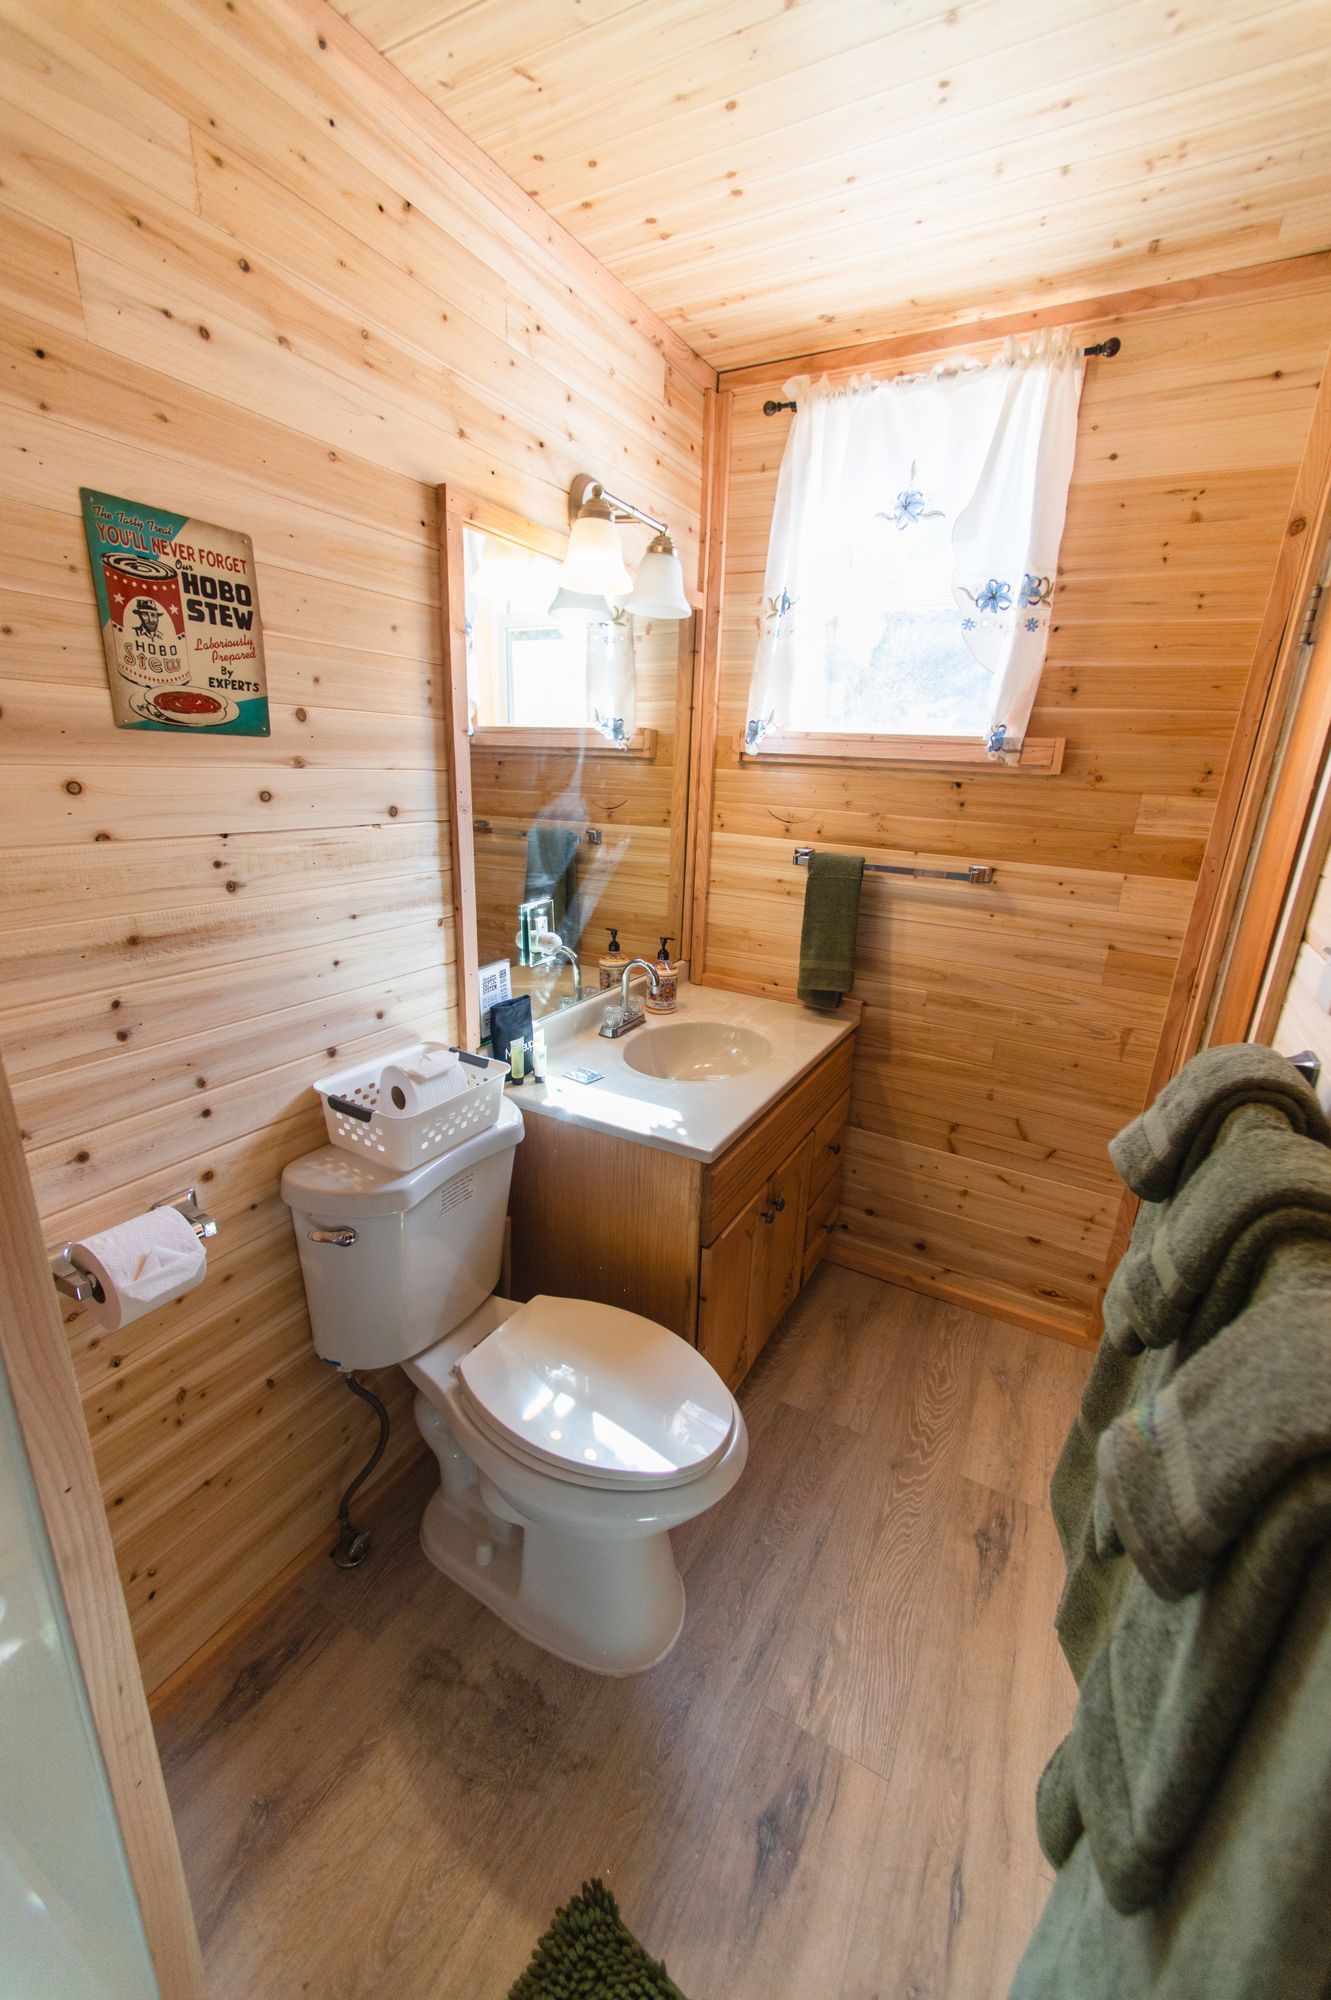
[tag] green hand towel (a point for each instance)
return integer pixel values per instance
(827, 941)
(1158, 1150)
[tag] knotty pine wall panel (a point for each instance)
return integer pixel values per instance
(1008, 1031)
(238, 280)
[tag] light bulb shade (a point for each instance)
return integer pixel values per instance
(578, 607)
(594, 564)
(659, 590)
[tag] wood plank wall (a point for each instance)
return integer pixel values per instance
(241, 280)
(1008, 1031)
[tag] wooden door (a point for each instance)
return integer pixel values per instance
(726, 1295)
(778, 1254)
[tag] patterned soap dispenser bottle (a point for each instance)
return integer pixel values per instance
(611, 962)
(667, 983)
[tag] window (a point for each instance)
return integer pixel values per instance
(913, 547)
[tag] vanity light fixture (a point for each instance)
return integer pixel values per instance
(659, 590)
(578, 607)
(594, 564)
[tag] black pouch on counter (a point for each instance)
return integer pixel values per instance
(510, 1021)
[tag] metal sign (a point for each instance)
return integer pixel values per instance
(179, 609)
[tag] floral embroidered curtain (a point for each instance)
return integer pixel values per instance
(913, 549)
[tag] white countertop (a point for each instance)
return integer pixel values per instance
(698, 1120)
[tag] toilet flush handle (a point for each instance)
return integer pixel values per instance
(344, 1238)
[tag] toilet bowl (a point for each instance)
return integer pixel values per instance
(571, 1436)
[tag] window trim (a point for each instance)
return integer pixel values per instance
(1036, 757)
(589, 742)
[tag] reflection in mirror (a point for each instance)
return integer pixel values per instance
(578, 716)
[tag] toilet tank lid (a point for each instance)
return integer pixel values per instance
(339, 1186)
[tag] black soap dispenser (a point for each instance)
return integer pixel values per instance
(612, 961)
(667, 983)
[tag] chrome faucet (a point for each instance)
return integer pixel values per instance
(628, 1014)
(553, 956)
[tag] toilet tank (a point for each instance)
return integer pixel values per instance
(394, 1261)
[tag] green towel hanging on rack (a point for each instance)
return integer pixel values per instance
(827, 941)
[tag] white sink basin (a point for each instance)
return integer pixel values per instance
(695, 1051)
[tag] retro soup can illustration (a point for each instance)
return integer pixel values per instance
(179, 608)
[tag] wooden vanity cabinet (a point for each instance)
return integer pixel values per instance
(754, 1269)
(716, 1252)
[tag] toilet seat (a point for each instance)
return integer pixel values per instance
(595, 1396)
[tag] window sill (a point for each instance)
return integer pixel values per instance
(564, 742)
(1038, 757)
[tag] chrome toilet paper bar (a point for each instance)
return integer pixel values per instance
(73, 1283)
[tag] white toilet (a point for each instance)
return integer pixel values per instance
(571, 1437)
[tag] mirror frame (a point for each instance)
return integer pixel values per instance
(458, 510)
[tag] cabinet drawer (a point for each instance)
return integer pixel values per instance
(728, 1185)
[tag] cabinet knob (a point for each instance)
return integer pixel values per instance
(769, 1215)
(835, 1146)
(778, 1202)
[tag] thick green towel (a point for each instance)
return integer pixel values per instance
(1166, 1701)
(827, 941)
(1094, 1583)
(1161, 1148)
(1246, 1914)
(1183, 1472)
(1258, 1188)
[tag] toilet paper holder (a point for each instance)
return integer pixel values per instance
(74, 1283)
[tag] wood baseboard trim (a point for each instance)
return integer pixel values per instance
(856, 1255)
(164, 1694)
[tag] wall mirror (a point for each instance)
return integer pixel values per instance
(569, 730)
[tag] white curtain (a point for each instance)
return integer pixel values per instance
(913, 549)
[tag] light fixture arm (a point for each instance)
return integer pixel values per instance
(584, 488)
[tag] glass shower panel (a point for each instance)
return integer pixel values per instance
(69, 1919)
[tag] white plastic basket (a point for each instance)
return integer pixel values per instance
(403, 1138)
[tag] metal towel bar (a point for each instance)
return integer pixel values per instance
(979, 871)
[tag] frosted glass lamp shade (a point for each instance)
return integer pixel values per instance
(578, 607)
(594, 564)
(659, 590)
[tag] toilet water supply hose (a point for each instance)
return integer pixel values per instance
(353, 1544)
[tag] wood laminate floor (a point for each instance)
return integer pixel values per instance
(824, 1793)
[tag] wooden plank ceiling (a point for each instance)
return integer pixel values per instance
(775, 176)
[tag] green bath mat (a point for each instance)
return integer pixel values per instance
(587, 1954)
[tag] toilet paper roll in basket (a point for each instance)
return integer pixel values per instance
(141, 1264)
(429, 1079)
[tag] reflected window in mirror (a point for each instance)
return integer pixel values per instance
(539, 657)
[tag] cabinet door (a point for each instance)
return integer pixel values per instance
(778, 1251)
(726, 1295)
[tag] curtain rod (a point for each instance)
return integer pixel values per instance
(1108, 348)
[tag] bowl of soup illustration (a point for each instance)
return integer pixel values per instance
(190, 706)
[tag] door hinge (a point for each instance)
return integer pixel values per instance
(1312, 613)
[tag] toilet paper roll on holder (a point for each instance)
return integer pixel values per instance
(74, 1283)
